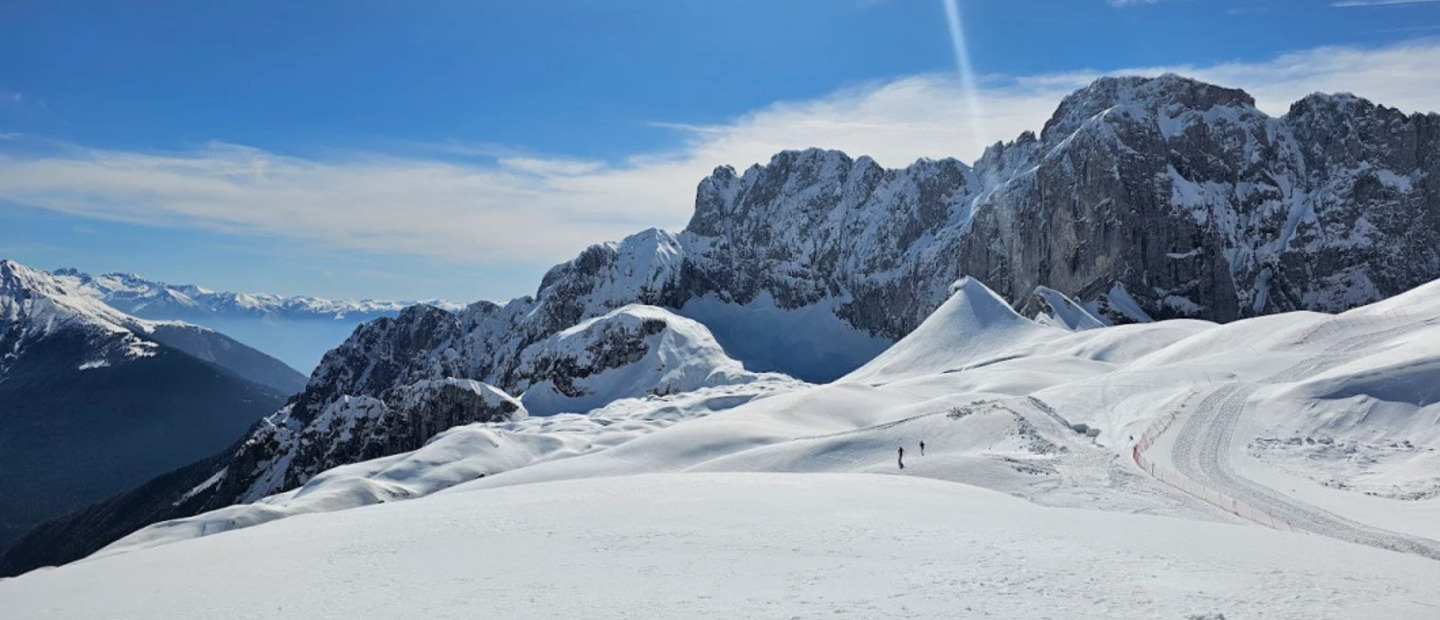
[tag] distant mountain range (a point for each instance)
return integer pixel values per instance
(94, 401)
(297, 330)
(1141, 199)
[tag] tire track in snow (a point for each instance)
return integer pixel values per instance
(1202, 453)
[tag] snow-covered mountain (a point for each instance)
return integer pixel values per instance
(1299, 422)
(133, 294)
(94, 401)
(1002, 402)
(298, 330)
(1141, 199)
(634, 353)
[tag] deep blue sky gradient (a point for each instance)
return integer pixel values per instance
(584, 78)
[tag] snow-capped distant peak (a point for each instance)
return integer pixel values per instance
(134, 294)
(46, 302)
(35, 305)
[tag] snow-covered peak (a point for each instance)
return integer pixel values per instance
(1168, 92)
(38, 304)
(1343, 103)
(137, 295)
(1060, 311)
(17, 279)
(970, 328)
(631, 352)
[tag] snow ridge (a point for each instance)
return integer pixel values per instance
(140, 296)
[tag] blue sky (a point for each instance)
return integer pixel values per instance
(439, 148)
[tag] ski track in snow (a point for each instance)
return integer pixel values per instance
(1202, 453)
(1342, 351)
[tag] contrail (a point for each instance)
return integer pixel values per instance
(967, 72)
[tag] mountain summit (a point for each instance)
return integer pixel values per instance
(94, 401)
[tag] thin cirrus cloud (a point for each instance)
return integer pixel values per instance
(1357, 3)
(540, 209)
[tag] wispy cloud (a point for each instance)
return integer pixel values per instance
(1355, 3)
(485, 204)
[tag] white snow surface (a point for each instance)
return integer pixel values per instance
(461, 454)
(996, 397)
(1064, 312)
(736, 546)
(679, 355)
(974, 327)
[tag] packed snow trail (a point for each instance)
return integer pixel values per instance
(1202, 453)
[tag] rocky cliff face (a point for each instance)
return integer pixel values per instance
(1141, 198)
(1181, 194)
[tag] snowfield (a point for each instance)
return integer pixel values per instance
(737, 546)
(1000, 401)
(688, 505)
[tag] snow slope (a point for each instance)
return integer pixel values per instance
(1054, 308)
(973, 327)
(998, 400)
(1342, 441)
(650, 351)
(1001, 400)
(736, 545)
(983, 425)
(460, 454)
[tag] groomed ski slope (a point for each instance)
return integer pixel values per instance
(736, 546)
(1202, 452)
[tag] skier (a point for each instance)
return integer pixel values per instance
(901, 460)
(922, 448)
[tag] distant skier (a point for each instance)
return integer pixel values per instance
(901, 460)
(922, 448)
